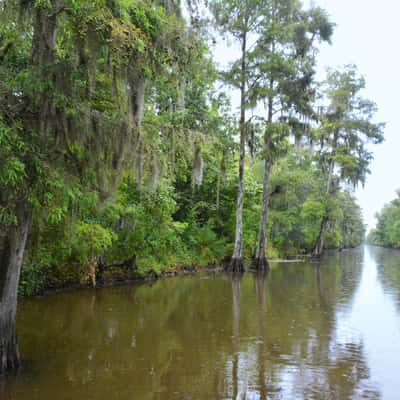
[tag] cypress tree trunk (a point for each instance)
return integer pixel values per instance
(236, 264)
(319, 246)
(12, 248)
(12, 255)
(260, 261)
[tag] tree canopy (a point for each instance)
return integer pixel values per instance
(121, 155)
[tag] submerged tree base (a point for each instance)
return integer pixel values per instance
(260, 264)
(9, 355)
(235, 265)
(316, 256)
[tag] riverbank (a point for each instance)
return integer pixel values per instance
(294, 334)
(120, 277)
(71, 279)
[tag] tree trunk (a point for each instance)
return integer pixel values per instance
(45, 33)
(236, 264)
(14, 241)
(319, 246)
(260, 261)
(10, 267)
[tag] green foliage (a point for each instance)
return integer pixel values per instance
(387, 230)
(299, 204)
(90, 240)
(352, 226)
(347, 126)
(115, 136)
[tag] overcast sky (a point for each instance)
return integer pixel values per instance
(367, 34)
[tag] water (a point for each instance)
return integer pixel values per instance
(302, 332)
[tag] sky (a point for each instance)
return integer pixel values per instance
(367, 34)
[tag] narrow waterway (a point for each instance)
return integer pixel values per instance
(304, 331)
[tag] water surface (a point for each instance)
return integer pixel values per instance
(304, 331)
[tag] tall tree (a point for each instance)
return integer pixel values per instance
(346, 128)
(282, 78)
(241, 20)
(72, 83)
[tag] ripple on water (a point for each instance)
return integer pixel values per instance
(305, 331)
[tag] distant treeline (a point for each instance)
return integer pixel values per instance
(387, 230)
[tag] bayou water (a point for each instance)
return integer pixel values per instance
(304, 331)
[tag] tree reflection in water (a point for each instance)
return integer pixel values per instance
(201, 337)
(295, 352)
(388, 263)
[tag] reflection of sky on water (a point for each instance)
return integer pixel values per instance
(373, 321)
(305, 331)
(358, 359)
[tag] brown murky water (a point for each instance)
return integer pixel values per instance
(302, 332)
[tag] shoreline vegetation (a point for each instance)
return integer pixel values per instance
(387, 230)
(123, 277)
(120, 148)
